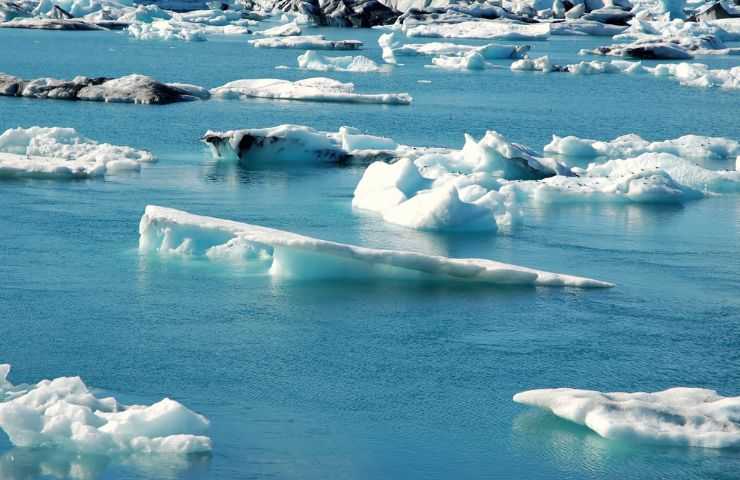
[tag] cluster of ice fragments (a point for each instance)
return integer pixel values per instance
(679, 416)
(64, 413)
(483, 185)
(687, 74)
(168, 232)
(55, 152)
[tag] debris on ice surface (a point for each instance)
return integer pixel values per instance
(312, 60)
(168, 232)
(128, 89)
(306, 42)
(54, 152)
(64, 413)
(318, 89)
(682, 416)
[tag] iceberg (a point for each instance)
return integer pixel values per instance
(64, 413)
(318, 89)
(167, 30)
(489, 29)
(129, 89)
(681, 416)
(306, 42)
(167, 232)
(312, 60)
(54, 152)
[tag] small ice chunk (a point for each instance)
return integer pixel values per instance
(306, 42)
(312, 60)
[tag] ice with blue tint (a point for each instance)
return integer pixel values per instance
(378, 377)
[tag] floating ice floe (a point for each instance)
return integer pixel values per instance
(318, 89)
(668, 40)
(306, 42)
(687, 74)
(178, 30)
(490, 51)
(282, 254)
(543, 64)
(54, 152)
(682, 416)
(64, 413)
(585, 27)
(627, 146)
(129, 89)
(493, 29)
(468, 61)
(698, 75)
(312, 60)
(289, 29)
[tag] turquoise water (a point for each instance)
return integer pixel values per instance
(367, 380)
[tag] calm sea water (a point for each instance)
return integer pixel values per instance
(374, 380)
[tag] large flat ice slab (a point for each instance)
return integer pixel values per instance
(65, 413)
(167, 231)
(679, 416)
(317, 89)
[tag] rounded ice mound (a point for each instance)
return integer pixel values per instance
(678, 416)
(57, 152)
(64, 413)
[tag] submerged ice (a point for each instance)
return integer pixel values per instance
(65, 413)
(170, 232)
(678, 416)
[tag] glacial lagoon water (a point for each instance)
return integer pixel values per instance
(372, 379)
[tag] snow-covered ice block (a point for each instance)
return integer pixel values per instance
(678, 416)
(306, 42)
(318, 89)
(312, 60)
(491, 29)
(54, 152)
(166, 231)
(64, 413)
